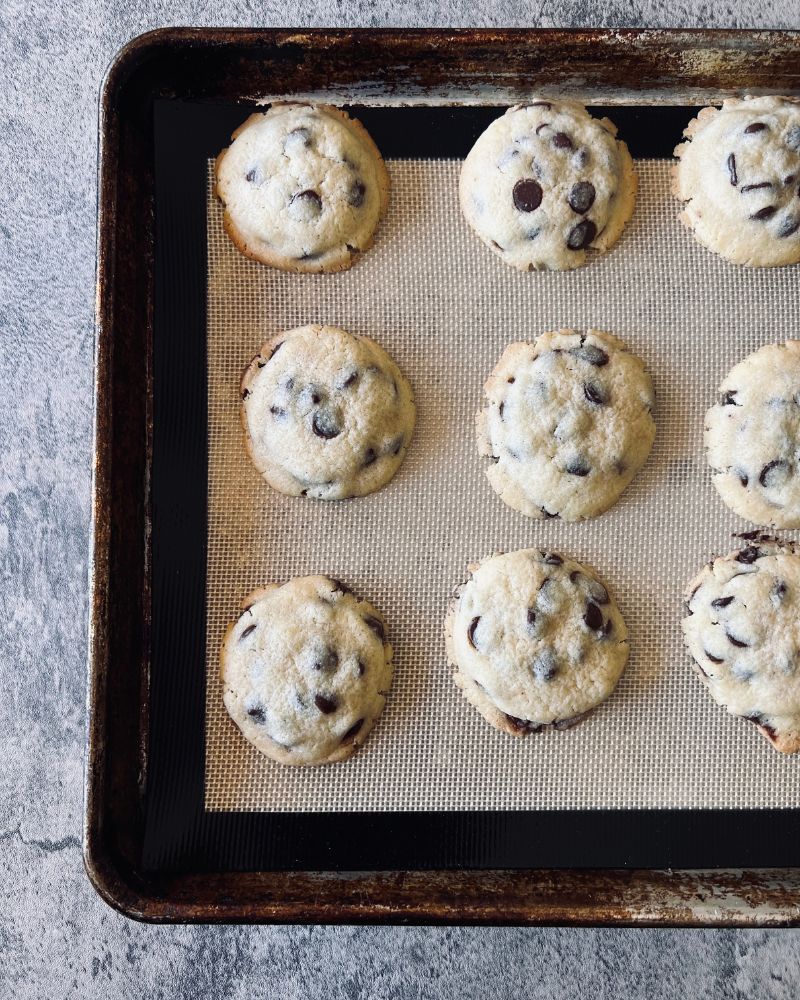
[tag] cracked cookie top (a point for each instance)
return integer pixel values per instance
(304, 188)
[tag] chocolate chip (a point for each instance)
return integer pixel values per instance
(339, 587)
(593, 617)
(744, 479)
(735, 642)
(749, 554)
(324, 704)
(775, 473)
(562, 141)
(501, 408)
(497, 246)
(539, 104)
(261, 364)
(324, 425)
(581, 197)
(789, 180)
(355, 196)
(594, 355)
(251, 175)
(779, 590)
(248, 631)
(545, 665)
(788, 226)
(764, 213)
(351, 732)
(793, 138)
(275, 350)
(511, 380)
(755, 127)
(755, 187)
(370, 455)
(327, 661)
(257, 714)
(298, 138)
(606, 629)
(541, 126)
(731, 161)
(350, 380)
(580, 158)
(714, 659)
(277, 411)
(376, 626)
(471, 631)
(547, 513)
(577, 467)
(523, 725)
(726, 398)
(311, 202)
(553, 559)
(396, 445)
(362, 668)
(531, 617)
(595, 393)
(527, 195)
(245, 393)
(581, 236)
(721, 602)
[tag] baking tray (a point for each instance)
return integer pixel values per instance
(169, 101)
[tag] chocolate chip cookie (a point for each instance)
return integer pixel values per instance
(567, 424)
(743, 630)
(327, 414)
(546, 185)
(752, 436)
(305, 670)
(304, 188)
(535, 640)
(739, 180)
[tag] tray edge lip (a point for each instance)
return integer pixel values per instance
(104, 873)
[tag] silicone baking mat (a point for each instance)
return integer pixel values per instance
(445, 308)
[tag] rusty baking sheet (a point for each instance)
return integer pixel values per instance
(208, 68)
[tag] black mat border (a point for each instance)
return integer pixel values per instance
(179, 834)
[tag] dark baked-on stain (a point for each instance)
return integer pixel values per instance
(245, 393)
(324, 704)
(760, 721)
(352, 732)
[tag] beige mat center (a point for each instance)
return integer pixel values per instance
(445, 308)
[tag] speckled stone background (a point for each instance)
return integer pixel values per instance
(57, 939)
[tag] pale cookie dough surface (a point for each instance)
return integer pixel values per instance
(743, 630)
(327, 414)
(752, 436)
(568, 424)
(304, 188)
(546, 184)
(739, 179)
(305, 670)
(535, 640)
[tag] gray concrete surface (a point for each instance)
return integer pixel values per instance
(56, 938)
